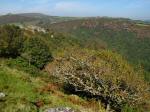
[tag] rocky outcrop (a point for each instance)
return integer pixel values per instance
(61, 109)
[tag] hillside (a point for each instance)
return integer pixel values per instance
(129, 38)
(32, 19)
(24, 84)
(24, 93)
(73, 64)
(6, 19)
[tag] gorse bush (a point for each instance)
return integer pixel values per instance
(11, 41)
(36, 52)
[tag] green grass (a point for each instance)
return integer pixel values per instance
(142, 24)
(22, 90)
(19, 93)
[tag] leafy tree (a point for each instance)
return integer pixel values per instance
(36, 52)
(102, 75)
(11, 41)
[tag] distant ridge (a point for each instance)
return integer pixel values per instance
(32, 18)
(33, 15)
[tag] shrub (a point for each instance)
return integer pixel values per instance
(11, 41)
(36, 52)
(104, 76)
(130, 109)
(23, 65)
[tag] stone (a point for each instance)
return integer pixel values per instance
(60, 109)
(2, 95)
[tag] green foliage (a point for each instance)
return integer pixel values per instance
(36, 52)
(58, 41)
(11, 41)
(122, 36)
(147, 76)
(130, 109)
(19, 93)
(126, 43)
(102, 75)
(23, 65)
(22, 92)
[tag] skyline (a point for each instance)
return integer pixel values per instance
(134, 9)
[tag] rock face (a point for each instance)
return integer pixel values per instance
(60, 109)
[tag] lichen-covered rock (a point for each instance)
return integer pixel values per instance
(60, 109)
(2, 95)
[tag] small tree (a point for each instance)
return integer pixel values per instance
(11, 41)
(36, 52)
(102, 75)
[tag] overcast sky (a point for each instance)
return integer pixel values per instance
(135, 9)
